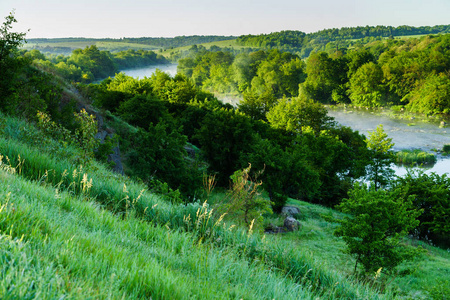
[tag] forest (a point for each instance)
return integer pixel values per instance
(191, 162)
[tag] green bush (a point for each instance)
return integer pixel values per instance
(413, 157)
(245, 197)
(379, 220)
(432, 194)
(446, 148)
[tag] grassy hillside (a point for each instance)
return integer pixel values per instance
(83, 232)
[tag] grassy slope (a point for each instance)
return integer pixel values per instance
(100, 243)
(82, 241)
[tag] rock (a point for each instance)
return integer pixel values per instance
(290, 210)
(115, 158)
(272, 229)
(101, 135)
(291, 224)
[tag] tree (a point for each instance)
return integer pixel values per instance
(288, 172)
(142, 110)
(432, 96)
(159, 154)
(10, 63)
(366, 87)
(322, 78)
(373, 233)
(431, 193)
(224, 137)
(245, 197)
(91, 59)
(296, 113)
(257, 106)
(379, 170)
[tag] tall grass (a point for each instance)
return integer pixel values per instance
(78, 250)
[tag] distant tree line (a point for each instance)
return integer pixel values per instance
(178, 41)
(303, 44)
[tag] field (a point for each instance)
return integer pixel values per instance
(68, 46)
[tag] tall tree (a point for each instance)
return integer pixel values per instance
(10, 63)
(380, 146)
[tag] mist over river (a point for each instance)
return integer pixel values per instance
(405, 133)
(171, 69)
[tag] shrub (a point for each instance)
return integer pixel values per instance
(85, 133)
(372, 234)
(430, 192)
(416, 156)
(446, 148)
(244, 197)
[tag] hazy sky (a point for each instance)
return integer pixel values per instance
(168, 18)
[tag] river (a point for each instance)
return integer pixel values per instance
(405, 133)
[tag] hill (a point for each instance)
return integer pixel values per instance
(61, 224)
(67, 45)
(195, 210)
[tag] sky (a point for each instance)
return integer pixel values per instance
(169, 18)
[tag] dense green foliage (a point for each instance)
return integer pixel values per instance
(24, 89)
(61, 209)
(373, 233)
(10, 64)
(410, 72)
(228, 139)
(431, 193)
(258, 73)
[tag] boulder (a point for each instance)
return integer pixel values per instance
(290, 210)
(272, 229)
(115, 156)
(291, 224)
(117, 160)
